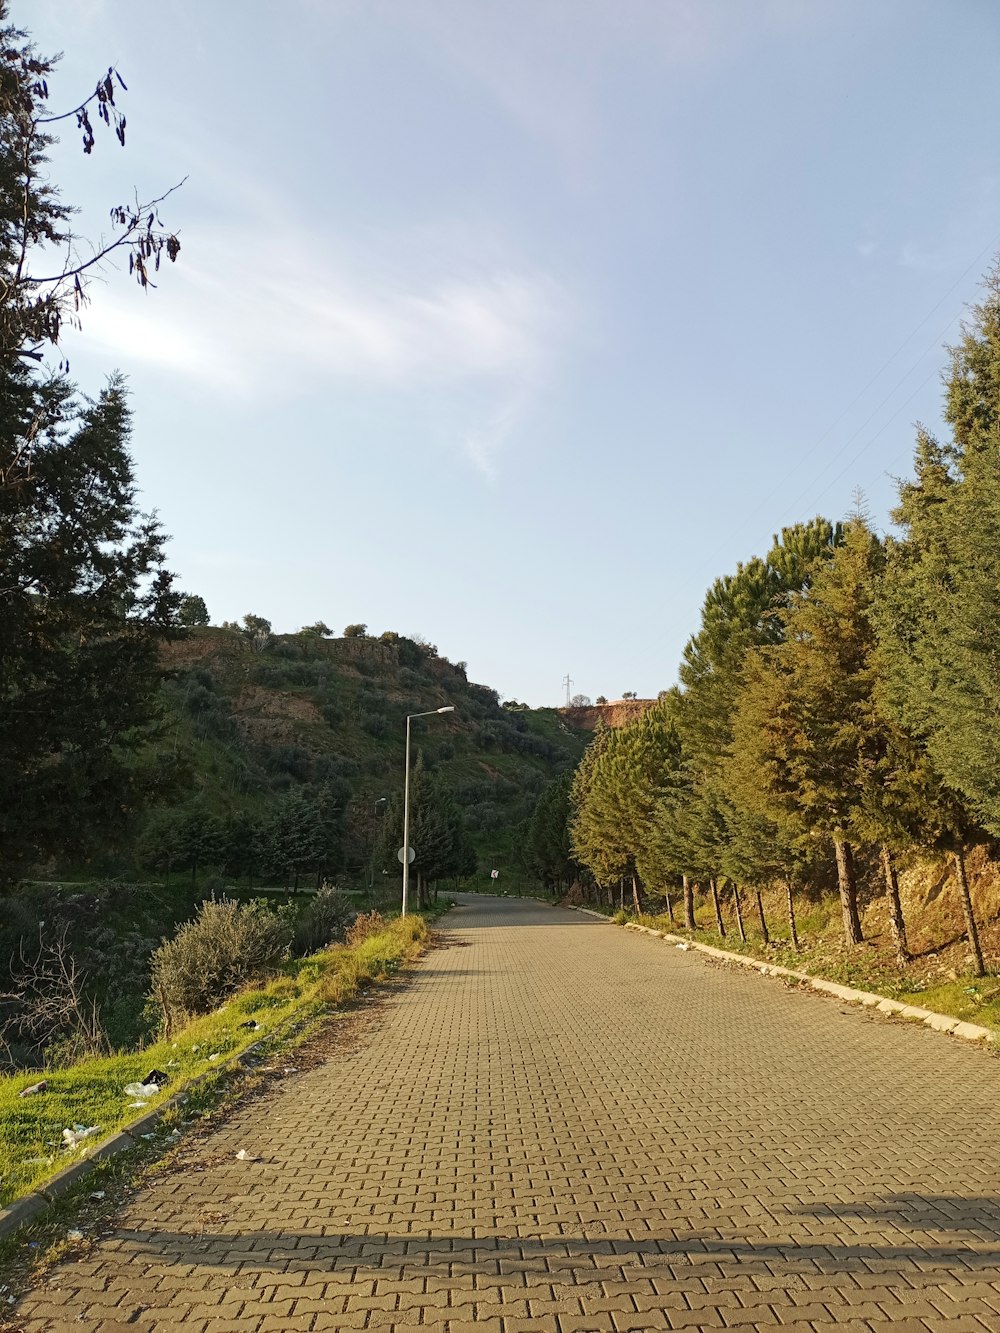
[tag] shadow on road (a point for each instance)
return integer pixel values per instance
(938, 1213)
(455, 1255)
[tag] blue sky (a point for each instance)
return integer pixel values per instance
(514, 324)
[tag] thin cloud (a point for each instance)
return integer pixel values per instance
(260, 320)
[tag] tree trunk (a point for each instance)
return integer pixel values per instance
(636, 899)
(789, 898)
(895, 908)
(971, 929)
(670, 909)
(848, 891)
(761, 917)
(739, 911)
(688, 891)
(720, 925)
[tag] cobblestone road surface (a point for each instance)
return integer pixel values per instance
(563, 1126)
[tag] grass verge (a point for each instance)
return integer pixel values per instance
(91, 1093)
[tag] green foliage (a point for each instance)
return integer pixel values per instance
(226, 946)
(253, 634)
(547, 851)
(91, 1093)
(323, 919)
(83, 591)
(615, 793)
(84, 598)
(939, 624)
(192, 610)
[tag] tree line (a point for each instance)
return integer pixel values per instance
(839, 700)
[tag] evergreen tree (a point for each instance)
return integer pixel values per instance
(547, 835)
(83, 592)
(741, 612)
(294, 838)
(616, 797)
(84, 599)
(191, 610)
(808, 733)
(940, 627)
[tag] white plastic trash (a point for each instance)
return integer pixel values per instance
(141, 1089)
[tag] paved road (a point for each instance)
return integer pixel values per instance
(563, 1126)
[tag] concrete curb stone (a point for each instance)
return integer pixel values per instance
(22, 1211)
(939, 1022)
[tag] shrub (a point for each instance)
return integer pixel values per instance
(227, 945)
(323, 919)
(365, 925)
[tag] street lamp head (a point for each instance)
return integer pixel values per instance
(450, 708)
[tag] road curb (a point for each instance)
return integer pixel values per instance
(589, 911)
(31, 1206)
(955, 1027)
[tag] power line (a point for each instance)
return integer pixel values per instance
(810, 452)
(871, 417)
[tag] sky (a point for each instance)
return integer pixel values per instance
(515, 323)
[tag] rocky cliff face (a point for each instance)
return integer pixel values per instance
(617, 713)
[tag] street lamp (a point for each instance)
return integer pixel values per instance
(382, 800)
(406, 802)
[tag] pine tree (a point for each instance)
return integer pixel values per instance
(941, 623)
(741, 612)
(84, 599)
(617, 794)
(83, 591)
(548, 837)
(808, 731)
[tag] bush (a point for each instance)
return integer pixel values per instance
(365, 925)
(323, 919)
(227, 945)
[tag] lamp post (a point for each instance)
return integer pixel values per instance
(406, 802)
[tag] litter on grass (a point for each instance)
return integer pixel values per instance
(145, 1090)
(34, 1089)
(72, 1138)
(74, 1234)
(157, 1077)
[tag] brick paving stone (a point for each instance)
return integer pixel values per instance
(559, 1125)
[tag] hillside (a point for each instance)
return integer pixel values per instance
(249, 726)
(615, 713)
